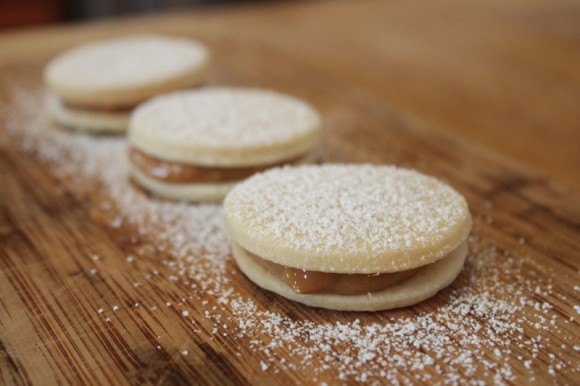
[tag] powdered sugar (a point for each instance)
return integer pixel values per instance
(348, 218)
(134, 61)
(492, 327)
(224, 118)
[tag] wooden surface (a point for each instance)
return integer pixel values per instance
(484, 96)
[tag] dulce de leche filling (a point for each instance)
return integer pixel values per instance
(174, 172)
(109, 109)
(311, 282)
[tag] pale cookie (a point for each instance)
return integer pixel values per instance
(195, 145)
(88, 120)
(96, 85)
(348, 237)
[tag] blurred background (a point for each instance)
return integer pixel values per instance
(23, 13)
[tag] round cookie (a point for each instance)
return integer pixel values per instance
(348, 237)
(196, 145)
(96, 85)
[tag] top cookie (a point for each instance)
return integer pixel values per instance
(125, 71)
(224, 127)
(347, 218)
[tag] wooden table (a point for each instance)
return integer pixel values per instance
(98, 289)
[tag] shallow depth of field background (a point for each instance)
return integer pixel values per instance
(26, 13)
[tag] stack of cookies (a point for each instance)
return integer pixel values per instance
(348, 237)
(196, 145)
(344, 237)
(95, 87)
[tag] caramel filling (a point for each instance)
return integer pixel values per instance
(174, 172)
(110, 109)
(311, 282)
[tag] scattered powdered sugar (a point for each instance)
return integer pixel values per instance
(495, 326)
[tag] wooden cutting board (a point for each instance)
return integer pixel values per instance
(101, 284)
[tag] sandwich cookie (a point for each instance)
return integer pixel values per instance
(95, 86)
(348, 237)
(196, 145)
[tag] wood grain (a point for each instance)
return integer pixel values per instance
(419, 85)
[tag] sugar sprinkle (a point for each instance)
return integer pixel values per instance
(493, 310)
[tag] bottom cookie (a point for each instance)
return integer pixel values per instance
(423, 285)
(88, 120)
(190, 192)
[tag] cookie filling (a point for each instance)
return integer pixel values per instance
(311, 282)
(174, 172)
(110, 109)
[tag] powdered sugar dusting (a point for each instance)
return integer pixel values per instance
(225, 118)
(125, 62)
(349, 218)
(500, 323)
